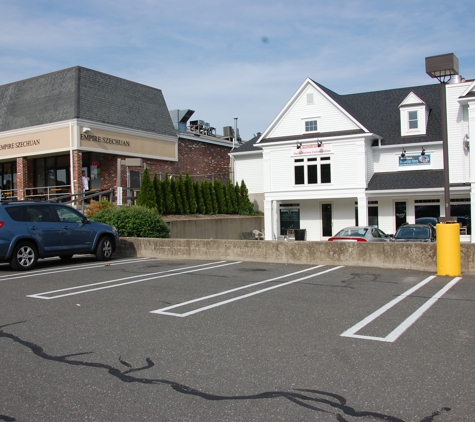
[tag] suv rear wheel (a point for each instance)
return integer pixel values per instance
(24, 256)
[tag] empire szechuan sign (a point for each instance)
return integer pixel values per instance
(104, 140)
(21, 144)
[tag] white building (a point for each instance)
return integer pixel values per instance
(328, 161)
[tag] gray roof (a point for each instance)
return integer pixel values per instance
(248, 146)
(379, 113)
(86, 94)
(426, 179)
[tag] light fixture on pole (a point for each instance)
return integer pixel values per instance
(423, 152)
(443, 67)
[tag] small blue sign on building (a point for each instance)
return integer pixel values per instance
(415, 160)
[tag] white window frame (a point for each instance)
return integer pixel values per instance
(314, 123)
(411, 119)
(317, 161)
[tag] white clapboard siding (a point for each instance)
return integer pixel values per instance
(330, 118)
(250, 169)
(457, 125)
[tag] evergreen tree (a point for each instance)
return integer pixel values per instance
(146, 196)
(214, 200)
(220, 197)
(168, 199)
(183, 195)
(200, 203)
(205, 186)
(227, 198)
(233, 208)
(177, 197)
(237, 192)
(190, 194)
(157, 186)
(245, 205)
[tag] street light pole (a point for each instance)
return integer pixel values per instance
(443, 67)
(445, 148)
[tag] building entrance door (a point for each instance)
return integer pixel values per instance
(400, 213)
(327, 220)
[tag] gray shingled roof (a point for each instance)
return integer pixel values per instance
(426, 179)
(248, 146)
(82, 93)
(379, 112)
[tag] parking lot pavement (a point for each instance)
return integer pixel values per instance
(147, 339)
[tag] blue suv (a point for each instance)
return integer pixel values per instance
(33, 230)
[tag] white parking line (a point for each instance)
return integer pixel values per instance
(163, 311)
(162, 274)
(401, 328)
(68, 268)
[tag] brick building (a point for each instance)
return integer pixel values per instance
(54, 126)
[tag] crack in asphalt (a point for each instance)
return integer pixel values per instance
(308, 398)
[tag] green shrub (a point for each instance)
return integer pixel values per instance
(220, 197)
(245, 205)
(94, 207)
(146, 195)
(190, 194)
(200, 202)
(157, 187)
(134, 221)
(168, 198)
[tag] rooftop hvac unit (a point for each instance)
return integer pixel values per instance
(228, 131)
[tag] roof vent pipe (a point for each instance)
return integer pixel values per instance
(456, 79)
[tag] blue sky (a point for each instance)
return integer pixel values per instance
(244, 59)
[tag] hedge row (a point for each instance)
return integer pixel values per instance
(183, 196)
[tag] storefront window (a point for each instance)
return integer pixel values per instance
(94, 170)
(52, 171)
(289, 219)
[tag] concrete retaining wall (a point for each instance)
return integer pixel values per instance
(415, 256)
(214, 228)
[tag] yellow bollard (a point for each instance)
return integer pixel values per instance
(448, 249)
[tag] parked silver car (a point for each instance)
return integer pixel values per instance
(360, 234)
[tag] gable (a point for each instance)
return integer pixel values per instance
(469, 92)
(309, 111)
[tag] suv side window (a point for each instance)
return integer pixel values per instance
(40, 213)
(16, 213)
(68, 215)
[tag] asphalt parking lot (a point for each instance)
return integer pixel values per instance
(148, 339)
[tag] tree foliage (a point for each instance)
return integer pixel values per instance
(134, 221)
(180, 195)
(146, 196)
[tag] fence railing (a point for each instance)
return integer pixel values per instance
(63, 194)
(81, 200)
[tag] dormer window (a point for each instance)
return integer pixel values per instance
(412, 120)
(414, 114)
